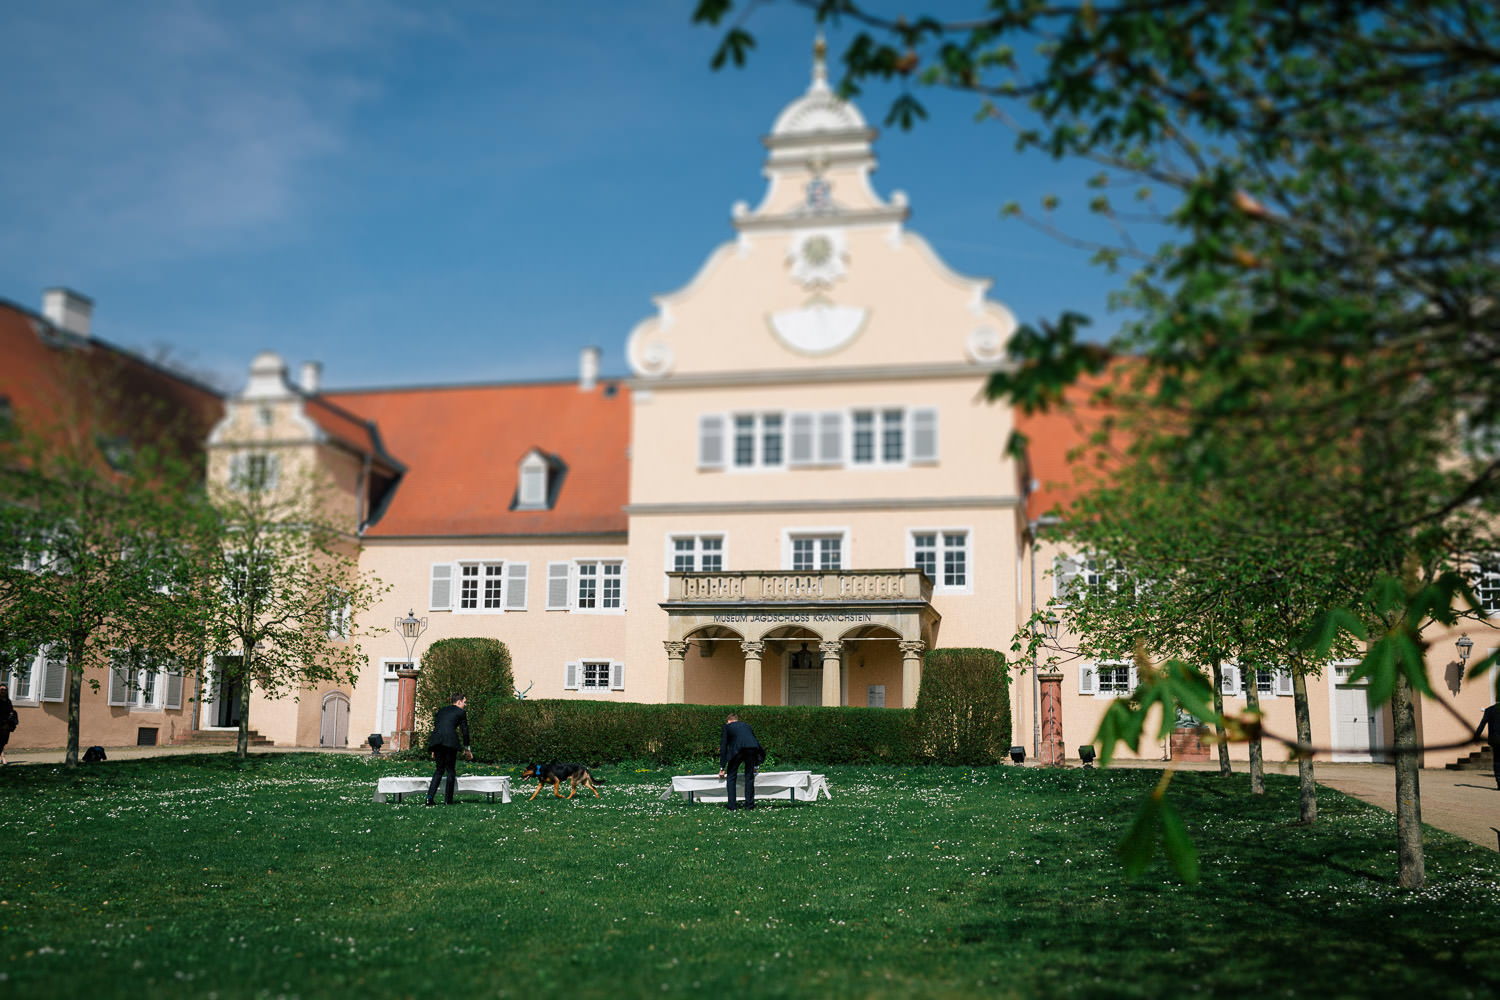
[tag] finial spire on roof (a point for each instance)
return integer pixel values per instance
(820, 64)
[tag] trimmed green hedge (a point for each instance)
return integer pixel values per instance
(607, 732)
(477, 667)
(963, 708)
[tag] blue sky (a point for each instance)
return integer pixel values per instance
(439, 192)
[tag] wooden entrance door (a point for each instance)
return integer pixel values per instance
(334, 731)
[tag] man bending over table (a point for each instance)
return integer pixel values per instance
(738, 745)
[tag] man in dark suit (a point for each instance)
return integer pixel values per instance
(738, 745)
(1491, 721)
(447, 722)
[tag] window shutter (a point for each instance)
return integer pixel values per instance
(711, 441)
(442, 587)
(119, 681)
(831, 437)
(237, 471)
(802, 450)
(557, 586)
(924, 437)
(54, 675)
(174, 686)
(1065, 573)
(617, 676)
(570, 677)
(1283, 683)
(273, 472)
(515, 585)
(1229, 680)
(1134, 679)
(1088, 679)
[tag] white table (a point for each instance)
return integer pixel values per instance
(490, 784)
(799, 786)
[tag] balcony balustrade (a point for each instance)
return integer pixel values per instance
(830, 586)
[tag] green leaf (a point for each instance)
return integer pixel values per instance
(1176, 843)
(1325, 629)
(1140, 840)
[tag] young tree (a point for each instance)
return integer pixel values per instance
(90, 506)
(279, 591)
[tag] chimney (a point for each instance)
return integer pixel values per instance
(588, 369)
(68, 310)
(312, 377)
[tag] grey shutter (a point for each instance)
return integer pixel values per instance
(557, 586)
(441, 598)
(831, 437)
(273, 472)
(802, 448)
(174, 685)
(54, 675)
(119, 680)
(1065, 573)
(617, 676)
(924, 435)
(237, 471)
(515, 585)
(570, 677)
(1282, 683)
(711, 441)
(1088, 679)
(1229, 680)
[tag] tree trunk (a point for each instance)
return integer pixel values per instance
(1252, 705)
(1218, 677)
(75, 697)
(1307, 789)
(242, 748)
(1413, 869)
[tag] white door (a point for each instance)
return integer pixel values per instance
(805, 687)
(1356, 724)
(388, 706)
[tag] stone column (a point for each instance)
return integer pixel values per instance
(831, 679)
(676, 672)
(406, 707)
(1052, 751)
(753, 651)
(911, 670)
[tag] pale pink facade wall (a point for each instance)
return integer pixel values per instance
(45, 724)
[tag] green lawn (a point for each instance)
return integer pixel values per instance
(278, 876)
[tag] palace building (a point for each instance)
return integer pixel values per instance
(797, 492)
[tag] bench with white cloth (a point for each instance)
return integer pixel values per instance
(490, 784)
(799, 786)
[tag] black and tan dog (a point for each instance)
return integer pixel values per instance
(573, 774)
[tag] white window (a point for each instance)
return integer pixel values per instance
(43, 677)
(1073, 579)
(599, 585)
(697, 553)
(594, 675)
(815, 551)
(1235, 682)
(758, 441)
(143, 680)
(944, 556)
(1484, 577)
(532, 494)
(1107, 678)
(892, 436)
(253, 471)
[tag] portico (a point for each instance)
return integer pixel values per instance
(786, 636)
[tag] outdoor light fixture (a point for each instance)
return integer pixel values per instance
(1052, 625)
(1018, 754)
(1086, 754)
(1465, 645)
(376, 741)
(411, 628)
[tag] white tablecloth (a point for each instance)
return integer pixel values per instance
(490, 784)
(800, 786)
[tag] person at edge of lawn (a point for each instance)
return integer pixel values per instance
(738, 745)
(1491, 721)
(8, 721)
(447, 723)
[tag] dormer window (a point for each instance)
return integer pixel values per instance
(252, 472)
(264, 416)
(535, 485)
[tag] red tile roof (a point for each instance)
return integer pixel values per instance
(356, 433)
(1060, 463)
(61, 385)
(462, 447)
